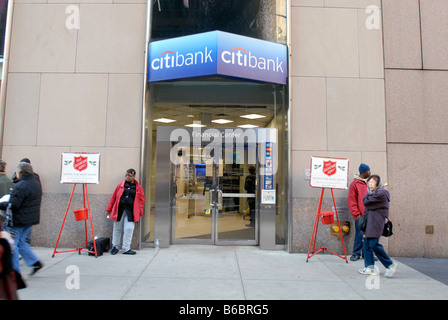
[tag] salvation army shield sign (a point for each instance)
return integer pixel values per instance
(80, 163)
(329, 173)
(329, 168)
(80, 167)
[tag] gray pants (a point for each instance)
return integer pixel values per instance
(126, 228)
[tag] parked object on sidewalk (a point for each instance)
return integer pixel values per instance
(102, 245)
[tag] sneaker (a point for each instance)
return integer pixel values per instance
(36, 267)
(130, 252)
(368, 271)
(114, 251)
(391, 270)
(355, 257)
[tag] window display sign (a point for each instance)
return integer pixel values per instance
(80, 168)
(329, 173)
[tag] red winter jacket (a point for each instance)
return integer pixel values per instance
(139, 201)
(356, 192)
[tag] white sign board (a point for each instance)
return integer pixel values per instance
(267, 196)
(80, 167)
(329, 173)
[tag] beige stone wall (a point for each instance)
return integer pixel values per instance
(75, 90)
(337, 103)
(416, 73)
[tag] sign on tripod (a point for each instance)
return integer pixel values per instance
(77, 167)
(329, 173)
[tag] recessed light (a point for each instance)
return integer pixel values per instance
(165, 120)
(247, 126)
(195, 125)
(253, 116)
(222, 121)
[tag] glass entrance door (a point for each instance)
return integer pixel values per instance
(214, 202)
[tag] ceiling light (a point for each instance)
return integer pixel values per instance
(195, 125)
(247, 126)
(222, 121)
(253, 116)
(165, 120)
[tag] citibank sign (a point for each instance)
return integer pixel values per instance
(217, 53)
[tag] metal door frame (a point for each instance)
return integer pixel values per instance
(214, 232)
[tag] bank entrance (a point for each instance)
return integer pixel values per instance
(213, 184)
(215, 163)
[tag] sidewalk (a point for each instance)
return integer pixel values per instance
(218, 273)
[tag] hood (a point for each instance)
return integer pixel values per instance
(357, 177)
(378, 187)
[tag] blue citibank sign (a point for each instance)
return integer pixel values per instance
(217, 53)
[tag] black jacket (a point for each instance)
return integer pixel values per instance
(25, 198)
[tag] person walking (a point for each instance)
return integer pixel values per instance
(356, 192)
(376, 202)
(125, 208)
(249, 186)
(24, 203)
(14, 177)
(5, 183)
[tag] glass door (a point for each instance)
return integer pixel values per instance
(237, 220)
(215, 202)
(193, 202)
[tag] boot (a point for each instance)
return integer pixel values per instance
(36, 267)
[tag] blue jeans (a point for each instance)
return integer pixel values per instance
(359, 237)
(372, 245)
(21, 237)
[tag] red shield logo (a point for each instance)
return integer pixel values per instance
(80, 163)
(329, 168)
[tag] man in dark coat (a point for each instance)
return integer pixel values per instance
(24, 204)
(249, 186)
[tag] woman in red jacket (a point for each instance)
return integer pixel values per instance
(125, 208)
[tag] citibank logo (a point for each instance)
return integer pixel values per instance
(170, 59)
(241, 57)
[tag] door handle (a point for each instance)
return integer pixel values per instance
(219, 202)
(210, 193)
(210, 196)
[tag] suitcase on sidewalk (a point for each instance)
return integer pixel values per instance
(102, 245)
